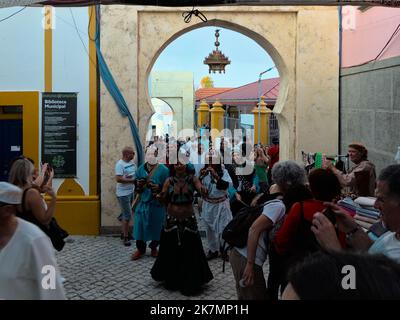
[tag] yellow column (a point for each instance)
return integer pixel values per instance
(217, 119)
(261, 122)
(202, 113)
(92, 103)
(48, 49)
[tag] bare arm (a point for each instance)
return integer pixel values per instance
(346, 180)
(122, 179)
(34, 202)
(262, 223)
(162, 196)
(325, 233)
(265, 158)
(199, 187)
(40, 178)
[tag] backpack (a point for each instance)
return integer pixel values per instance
(236, 231)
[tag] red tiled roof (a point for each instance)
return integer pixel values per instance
(249, 92)
(206, 92)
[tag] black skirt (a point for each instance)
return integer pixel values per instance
(181, 263)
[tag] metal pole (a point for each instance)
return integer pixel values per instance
(259, 101)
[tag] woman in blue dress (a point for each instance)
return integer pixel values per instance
(149, 213)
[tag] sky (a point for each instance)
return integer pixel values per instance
(188, 52)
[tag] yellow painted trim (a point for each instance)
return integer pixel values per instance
(79, 217)
(30, 119)
(11, 116)
(48, 49)
(71, 188)
(92, 104)
(74, 198)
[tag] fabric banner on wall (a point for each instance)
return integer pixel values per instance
(59, 132)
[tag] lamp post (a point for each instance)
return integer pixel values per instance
(259, 101)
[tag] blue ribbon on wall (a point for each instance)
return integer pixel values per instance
(116, 94)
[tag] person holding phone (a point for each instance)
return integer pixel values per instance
(33, 208)
(387, 202)
(294, 239)
(216, 212)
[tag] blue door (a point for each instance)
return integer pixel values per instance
(10, 144)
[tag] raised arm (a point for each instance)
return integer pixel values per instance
(199, 187)
(162, 196)
(35, 203)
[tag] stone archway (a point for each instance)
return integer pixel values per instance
(287, 35)
(303, 42)
(165, 38)
(162, 117)
(176, 89)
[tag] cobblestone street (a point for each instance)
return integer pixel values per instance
(100, 268)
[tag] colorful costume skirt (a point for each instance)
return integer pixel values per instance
(181, 263)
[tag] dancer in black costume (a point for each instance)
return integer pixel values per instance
(181, 263)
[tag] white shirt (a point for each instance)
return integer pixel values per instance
(126, 170)
(211, 186)
(274, 210)
(21, 265)
(388, 245)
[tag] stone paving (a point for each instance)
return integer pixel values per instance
(100, 268)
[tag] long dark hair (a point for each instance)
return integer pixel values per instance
(295, 194)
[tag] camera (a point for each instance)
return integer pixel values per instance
(328, 212)
(47, 175)
(140, 185)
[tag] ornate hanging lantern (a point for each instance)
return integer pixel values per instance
(216, 60)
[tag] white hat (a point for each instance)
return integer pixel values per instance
(10, 193)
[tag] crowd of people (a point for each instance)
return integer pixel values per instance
(299, 226)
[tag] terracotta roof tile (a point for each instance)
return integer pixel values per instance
(248, 92)
(203, 93)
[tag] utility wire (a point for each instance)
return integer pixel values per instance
(80, 38)
(383, 49)
(13, 14)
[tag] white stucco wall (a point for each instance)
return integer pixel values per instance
(22, 66)
(177, 89)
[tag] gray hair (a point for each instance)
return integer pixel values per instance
(288, 174)
(21, 172)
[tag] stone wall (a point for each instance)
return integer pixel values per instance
(370, 109)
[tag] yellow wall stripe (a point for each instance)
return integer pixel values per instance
(92, 103)
(48, 50)
(30, 119)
